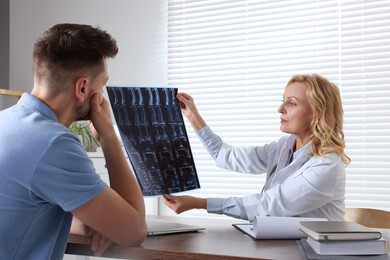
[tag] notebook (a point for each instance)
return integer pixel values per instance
(308, 253)
(338, 230)
(161, 227)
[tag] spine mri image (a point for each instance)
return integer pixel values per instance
(152, 129)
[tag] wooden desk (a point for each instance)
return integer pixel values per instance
(220, 240)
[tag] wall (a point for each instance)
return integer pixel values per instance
(4, 44)
(139, 27)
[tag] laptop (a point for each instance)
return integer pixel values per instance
(162, 227)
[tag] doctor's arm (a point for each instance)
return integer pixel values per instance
(297, 195)
(189, 109)
(230, 207)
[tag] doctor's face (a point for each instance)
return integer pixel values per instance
(296, 113)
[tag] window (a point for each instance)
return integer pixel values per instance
(235, 58)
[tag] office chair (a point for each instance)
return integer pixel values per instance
(372, 218)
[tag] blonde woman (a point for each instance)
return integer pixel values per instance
(305, 170)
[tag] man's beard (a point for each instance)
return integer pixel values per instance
(83, 112)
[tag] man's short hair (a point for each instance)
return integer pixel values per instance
(66, 51)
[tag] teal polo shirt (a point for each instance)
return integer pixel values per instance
(44, 174)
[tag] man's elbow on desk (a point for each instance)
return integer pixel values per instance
(133, 237)
(114, 218)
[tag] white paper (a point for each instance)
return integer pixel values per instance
(267, 227)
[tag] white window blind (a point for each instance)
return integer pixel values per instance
(235, 58)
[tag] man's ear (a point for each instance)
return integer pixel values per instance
(81, 88)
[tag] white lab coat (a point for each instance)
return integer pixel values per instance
(309, 186)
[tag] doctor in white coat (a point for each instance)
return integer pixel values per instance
(305, 170)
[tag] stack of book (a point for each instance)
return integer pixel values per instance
(341, 238)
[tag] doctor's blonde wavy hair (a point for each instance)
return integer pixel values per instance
(327, 124)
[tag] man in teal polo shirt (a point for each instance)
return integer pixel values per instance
(45, 174)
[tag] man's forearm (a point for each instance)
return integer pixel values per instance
(122, 179)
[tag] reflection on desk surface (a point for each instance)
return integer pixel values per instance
(220, 240)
